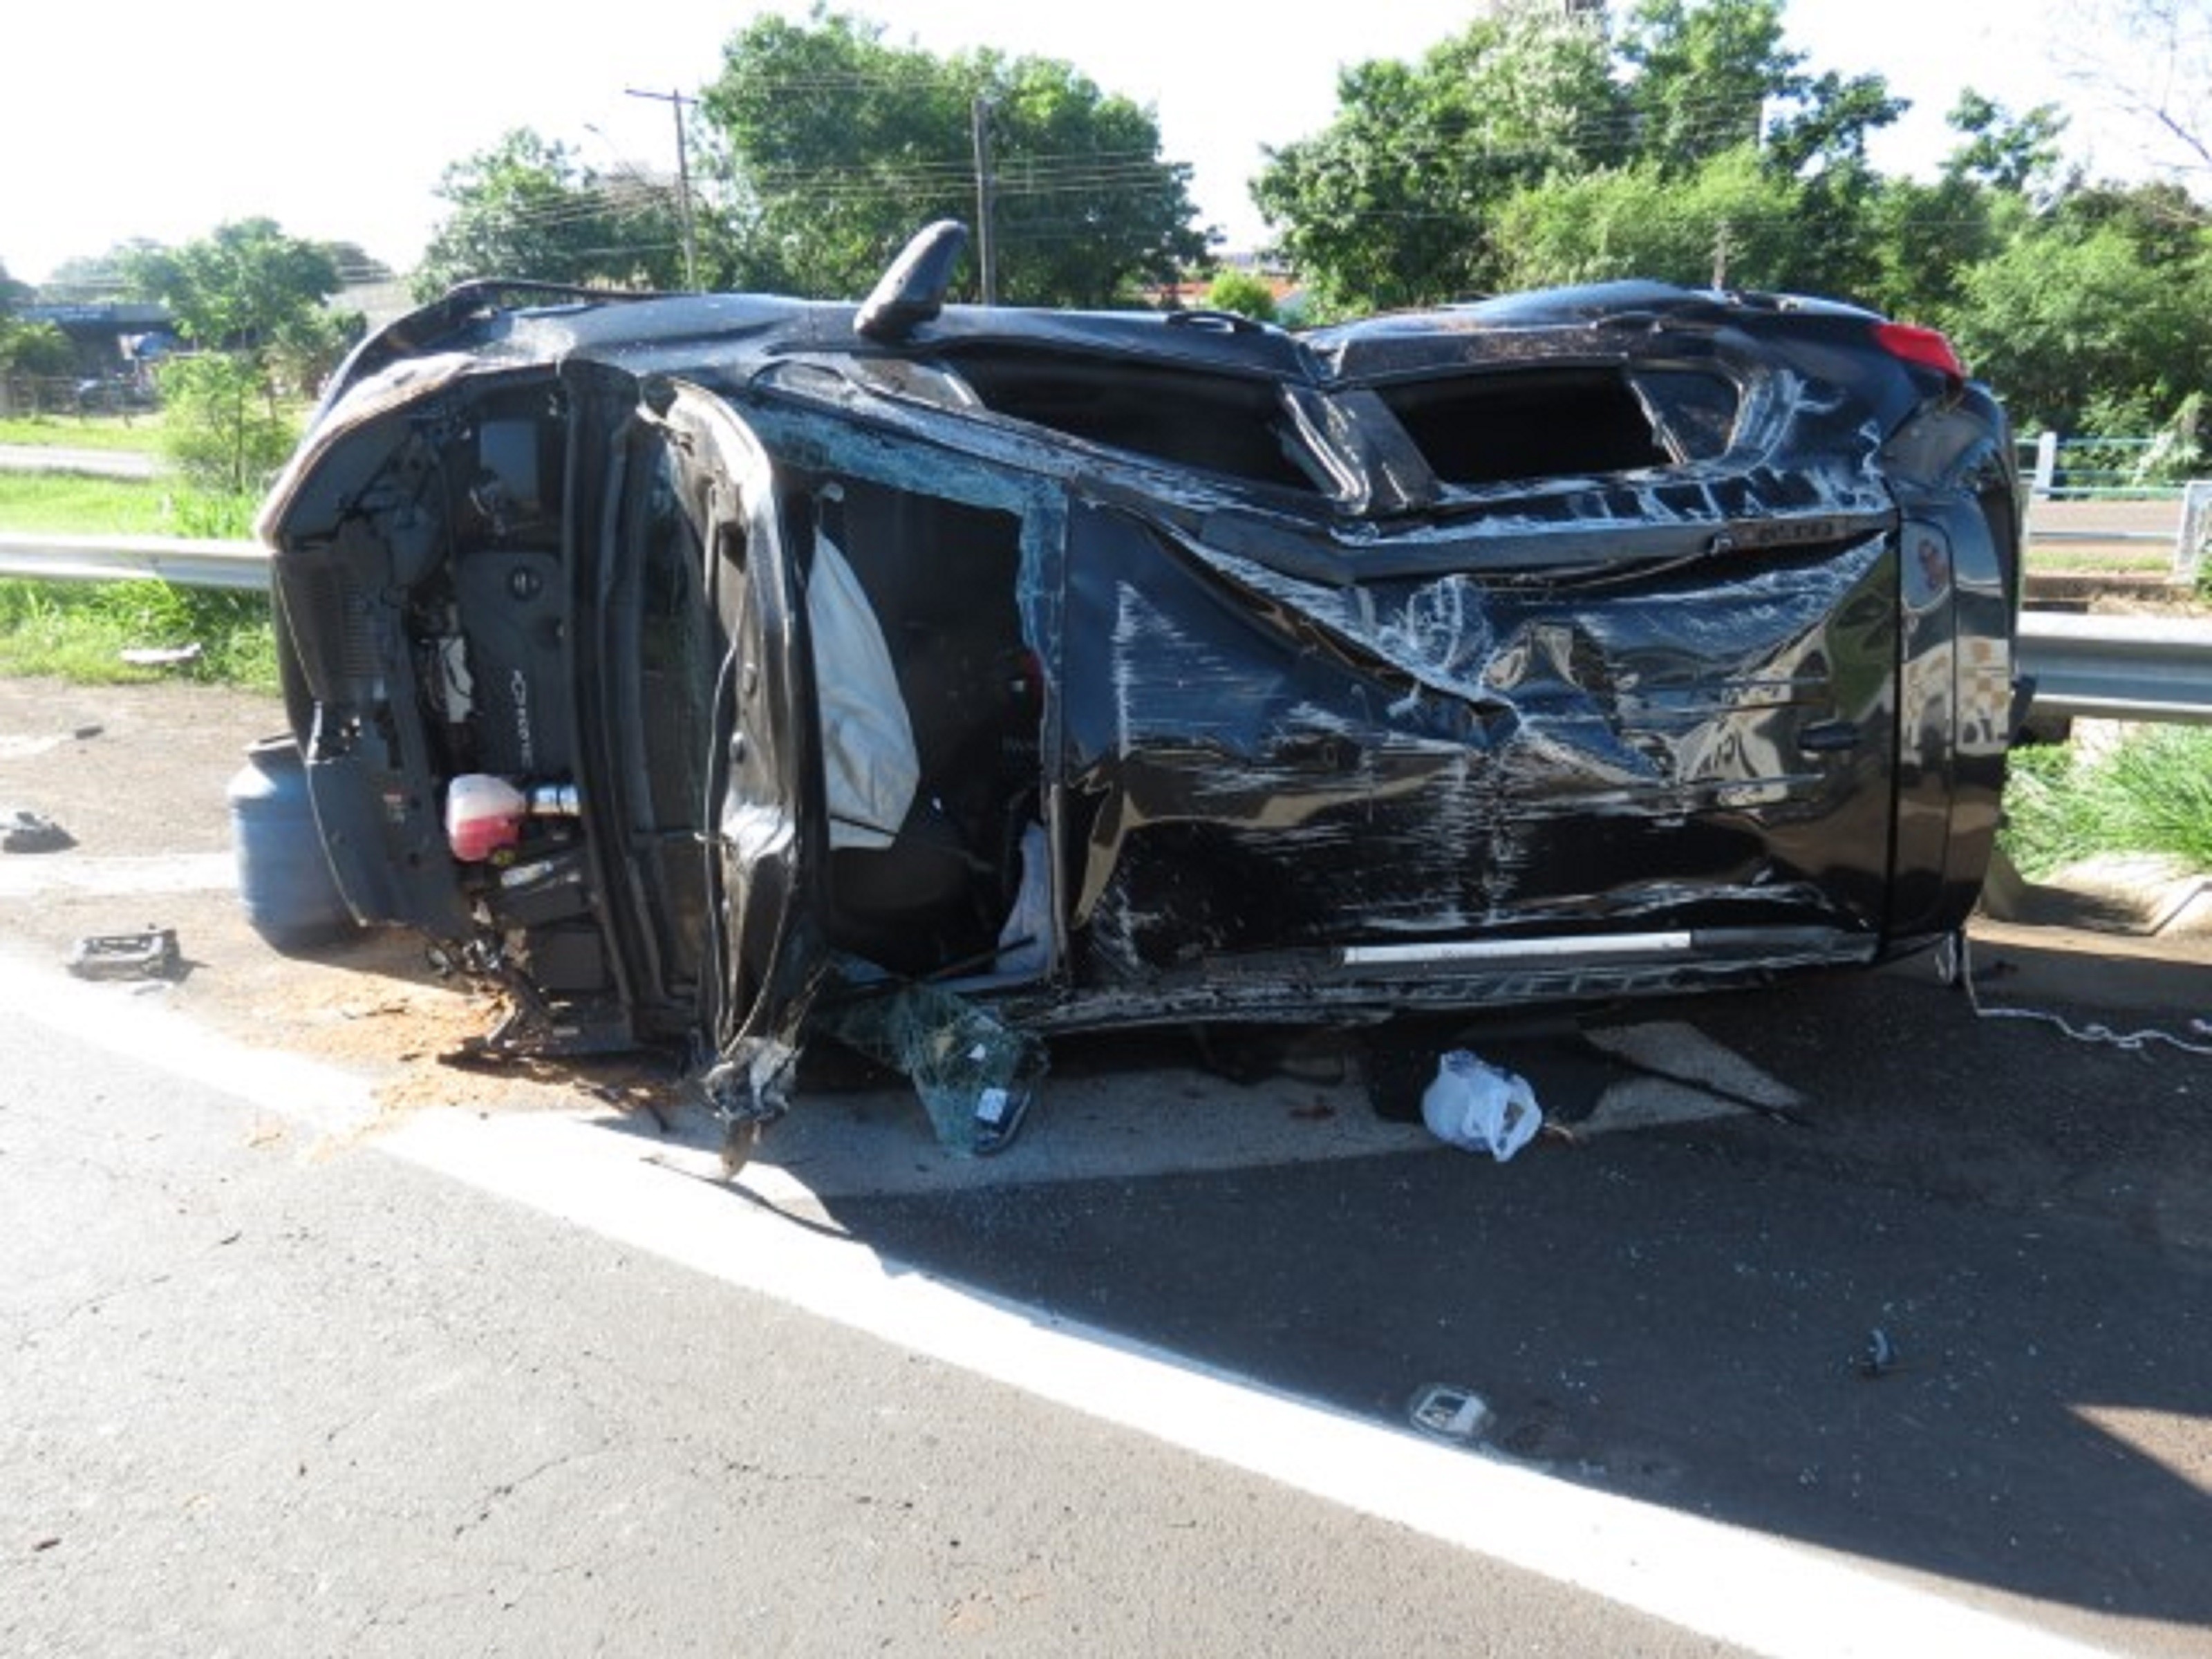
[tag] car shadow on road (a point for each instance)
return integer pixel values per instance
(1953, 1317)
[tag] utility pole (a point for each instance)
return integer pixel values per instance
(676, 101)
(1721, 256)
(986, 195)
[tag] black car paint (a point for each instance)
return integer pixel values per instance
(1309, 744)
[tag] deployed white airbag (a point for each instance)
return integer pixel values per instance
(870, 767)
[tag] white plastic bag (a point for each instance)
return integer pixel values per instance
(1480, 1108)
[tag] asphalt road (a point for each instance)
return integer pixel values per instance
(270, 1392)
(296, 1369)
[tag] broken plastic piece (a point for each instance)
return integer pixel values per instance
(27, 832)
(149, 955)
(749, 1089)
(1480, 1107)
(1449, 1411)
(975, 1075)
(159, 656)
(484, 814)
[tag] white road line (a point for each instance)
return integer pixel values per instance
(29, 873)
(1722, 1582)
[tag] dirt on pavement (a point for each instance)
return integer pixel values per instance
(137, 776)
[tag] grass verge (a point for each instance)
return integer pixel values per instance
(70, 503)
(79, 631)
(67, 503)
(2152, 793)
(140, 432)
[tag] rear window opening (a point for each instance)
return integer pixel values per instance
(1218, 423)
(1499, 428)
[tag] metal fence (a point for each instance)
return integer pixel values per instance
(2108, 502)
(2098, 469)
(77, 394)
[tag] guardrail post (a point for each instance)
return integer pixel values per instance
(2046, 465)
(2190, 546)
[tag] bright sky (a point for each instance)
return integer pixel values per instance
(149, 117)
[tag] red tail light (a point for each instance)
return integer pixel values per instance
(1923, 346)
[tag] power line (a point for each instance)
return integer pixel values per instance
(677, 101)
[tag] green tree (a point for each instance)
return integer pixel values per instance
(247, 288)
(1709, 77)
(2011, 153)
(1243, 292)
(529, 208)
(1431, 178)
(2066, 319)
(250, 299)
(1701, 76)
(833, 147)
(1390, 204)
(223, 430)
(37, 349)
(1731, 221)
(1927, 236)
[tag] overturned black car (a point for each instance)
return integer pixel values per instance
(679, 662)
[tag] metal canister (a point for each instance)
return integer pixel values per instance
(284, 878)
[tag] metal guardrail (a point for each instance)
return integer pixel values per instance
(238, 565)
(2126, 668)
(2083, 468)
(2140, 668)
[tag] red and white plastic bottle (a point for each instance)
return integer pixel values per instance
(483, 816)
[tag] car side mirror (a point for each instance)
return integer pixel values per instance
(911, 291)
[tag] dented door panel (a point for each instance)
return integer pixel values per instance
(1260, 766)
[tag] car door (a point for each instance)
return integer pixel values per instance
(762, 820)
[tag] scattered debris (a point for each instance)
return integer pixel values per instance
(161, 656)
(1480, 1108)
(975, 1074)
(1879, 1357)
(27, 832)
(1592, 1081)
(1954, 966)
(1450, 1413)
(149, 955)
